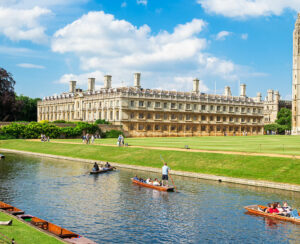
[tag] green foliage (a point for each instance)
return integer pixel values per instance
(28, 110)
(271, 127)
(284, 118)
(59, 121)
(113, 134)
(88, 128)
(101, 121)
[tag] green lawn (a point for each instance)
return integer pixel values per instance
(275, 169)
(265, 144)
(23, 233)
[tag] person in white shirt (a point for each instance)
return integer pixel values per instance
(156, 182)
(165, 174)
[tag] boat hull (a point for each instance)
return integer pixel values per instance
(159, 188)
(254, 209)
(101, 171)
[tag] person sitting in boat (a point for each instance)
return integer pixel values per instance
(273, 209)
(156, 182)
(149, 181)
(286, 208)
(136, 178)
(107, 165)
(96, 167)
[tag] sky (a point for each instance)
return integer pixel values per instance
(46, 43)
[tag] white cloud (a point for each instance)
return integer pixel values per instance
(82, 79)
(222, 35)
(248, 8)
(123, 5)
(244, 36)
(26, 4)
(20, 24)
(143, 2)
(31, 66)
(118, 48)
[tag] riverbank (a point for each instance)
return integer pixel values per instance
(280, 173)
(23, 233)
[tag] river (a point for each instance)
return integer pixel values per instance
(108, 208)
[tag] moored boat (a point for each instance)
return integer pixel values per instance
(102, 170)
(10, 209)
(259, 210)
(159, 188)
(2, 156)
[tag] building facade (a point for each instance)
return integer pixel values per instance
(272, 105)
(296, 79)
(151, 112)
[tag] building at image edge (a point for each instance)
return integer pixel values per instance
(150, 112)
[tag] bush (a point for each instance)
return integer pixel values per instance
(44, 121)
(113, 134)
(101, 121)
(59, 121)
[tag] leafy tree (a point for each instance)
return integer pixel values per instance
(284, 118)
(28, 111)
(8, 104)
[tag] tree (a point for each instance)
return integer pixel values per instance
(8, 104)
(28, 110)
(284, 118)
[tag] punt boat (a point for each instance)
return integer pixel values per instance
(159, 188)
(259, 210)
(49, 227)
(102, 171)
(10, 209)
(2, 156)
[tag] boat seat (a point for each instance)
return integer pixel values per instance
(68, 235)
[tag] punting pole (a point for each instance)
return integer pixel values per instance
(169, 173)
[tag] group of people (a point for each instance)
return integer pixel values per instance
(44, 138)
(284, 210)
(87, 139)
(156, 182)
(97, 168)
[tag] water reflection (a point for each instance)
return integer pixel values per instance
(110, 208)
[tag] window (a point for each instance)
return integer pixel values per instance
(218, 128)
(148, 104)
(211, 118)
(173, 105)
(254, 110)
(248, 110)
(141, 103)
(165, 105)
(242, 120)
(90, 105)
(195, 106)
(203, 117)
(203, 107)
(195, 117)
(211, 107)
(132, 115)
(230, 109)
(173, 116)
(224, 119)
(173, 127)
(166, 116)
(231, 119)
(165, 127)
(236, 119)
(111, 115)
(218, 108)
(254, 120)
(180, 128)
(141, 127)
(230, 128)
(157, 116)
(132, 103)
(117, 115)
(218, 118)
(149, 116)
(157, 127)
(180, 105)
(180, 117)
(100, 104)
(248, 120)
(188, 106)
(148, 127)
(141, 115)
(157, 104)
(236, 109)
(131, 127)
(187, 127)
(224, 108)
(188, 117)
(203, 128)
(111, 103)
(243, 110)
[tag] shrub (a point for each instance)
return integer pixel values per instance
(59, 121)
(113, 134)
(44, 121)
(101, 121)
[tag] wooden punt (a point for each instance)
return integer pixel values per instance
(159, 188)
(2, 156)
(10, 209)
(102, 171)
(259, 210)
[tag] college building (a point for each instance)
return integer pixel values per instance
(152, 112)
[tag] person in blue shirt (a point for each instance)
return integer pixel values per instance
(165, 174)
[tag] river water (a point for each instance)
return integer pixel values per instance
(108, 208)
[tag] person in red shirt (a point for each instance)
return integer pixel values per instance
(273, 209)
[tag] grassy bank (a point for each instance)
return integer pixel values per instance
(23, 233)
(289, 145)
(283, 170)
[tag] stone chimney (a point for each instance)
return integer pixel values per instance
(137, 80)
(270, 95)
(72, 86)
(91, 84)
(258, 97)
(243, 90)
(196, 85)
(227, 91)
(107, 81)
(276, 96)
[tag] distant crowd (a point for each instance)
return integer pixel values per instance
(87, 139)
(45, 138)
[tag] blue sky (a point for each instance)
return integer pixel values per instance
(46, 43)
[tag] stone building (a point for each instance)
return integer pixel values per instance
(152, 112)
(272, 105)
(296, 79)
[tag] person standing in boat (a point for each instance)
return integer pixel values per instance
(165, 174)
(96, 167)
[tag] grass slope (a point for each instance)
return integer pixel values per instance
(283, 170)
(289, 145)
(23, 233)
